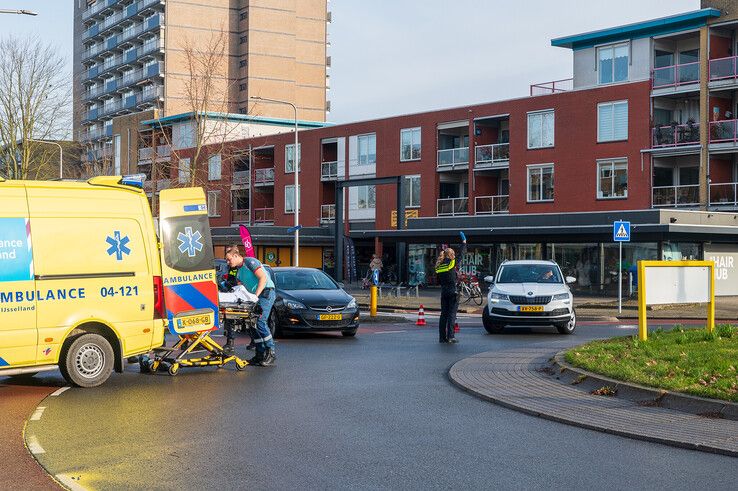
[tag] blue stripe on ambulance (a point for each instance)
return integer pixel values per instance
(4, 363)
(195, 298)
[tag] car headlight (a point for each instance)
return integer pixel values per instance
(497, 297)
(352, 304)
(292, 305)
(562, 296)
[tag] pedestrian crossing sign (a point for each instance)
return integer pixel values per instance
(621, 231)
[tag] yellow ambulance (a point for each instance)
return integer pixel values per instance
(84, 275)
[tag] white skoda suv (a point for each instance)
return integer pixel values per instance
(529, 293)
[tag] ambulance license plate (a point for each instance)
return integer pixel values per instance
(195, 321)
(329, 317)
(531, 308)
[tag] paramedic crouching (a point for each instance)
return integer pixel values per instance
(256, 279)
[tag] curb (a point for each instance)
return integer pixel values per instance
(646, 396)
(380, 318)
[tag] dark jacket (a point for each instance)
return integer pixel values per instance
(446, 273)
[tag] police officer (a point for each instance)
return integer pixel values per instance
(446, 274)
(257, 280)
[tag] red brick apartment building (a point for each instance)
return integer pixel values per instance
(645, 131)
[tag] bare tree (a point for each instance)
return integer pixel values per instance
(34, 105)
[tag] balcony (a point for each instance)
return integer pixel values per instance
(112, 20)
(724, 194)
(724, 131)
(723, 70)
(453, 158)
(675, 196)
(264, 177)
(240, 216)
(553, 87)
(128, 57)
(675, 135)
(264, 215)
(675, 76)
(329, 171)
(495, 156)
(327, 213)
(452, 207)
(163, 184)
(241, 178)
(146, 154)
(491, 205)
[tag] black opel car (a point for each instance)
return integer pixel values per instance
(308, 300)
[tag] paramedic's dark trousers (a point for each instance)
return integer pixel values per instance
(229, 325)
(449, 305)
(261, 335)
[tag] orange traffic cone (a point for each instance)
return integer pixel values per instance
(456, 327)
(421, 317)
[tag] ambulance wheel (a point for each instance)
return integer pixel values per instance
(173, 369)
(88, 361)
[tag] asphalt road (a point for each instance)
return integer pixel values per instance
(373, 412)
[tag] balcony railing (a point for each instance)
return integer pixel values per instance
(724, 131)
(723, 68)
(241, 177)
(724, 194)
(329, 171)
(553, 87)
(674, 136)
(163, 184)
(490, 155)
(110, 21)
(147, 153)
(264, 215)
(130, 56)
(240, 216)
(453, 156)
(452, 207)
(676, 195)
(490, 205)
(138, 29)
(124, 103)
(264, 177)
(675, 75)
(327, 213)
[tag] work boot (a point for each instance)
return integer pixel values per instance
(251, 345)
(453, 340)
(257, 358)
(269, 358)
(229, 347)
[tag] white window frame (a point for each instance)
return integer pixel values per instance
(612, 163)
(358, 149)
(413, 132)
(409, 183)
(289, 208)
(553, 128)
(213, 209)
(183, 171)
(627, 122)
(538, 167)
(215, 173)
(612, 46)
(289, 148)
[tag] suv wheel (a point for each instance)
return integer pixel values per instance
(88, 361)
(489, 325)
(570, 326)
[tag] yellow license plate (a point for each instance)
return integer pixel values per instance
(531, 308)
(329, 317)
(194, 321)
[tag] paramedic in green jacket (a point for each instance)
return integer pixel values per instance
(446, 274)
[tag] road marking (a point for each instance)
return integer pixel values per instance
(626, 326)
(60, 391)
(34, 446)
(36, 416)
(70, 482)
(388, 332)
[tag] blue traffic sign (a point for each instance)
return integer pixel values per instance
(292, 230)
(375, 276)
(621, 231)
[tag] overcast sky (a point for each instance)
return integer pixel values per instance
(400, 56)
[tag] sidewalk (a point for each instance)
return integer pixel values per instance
(726, 308)
(523, 379)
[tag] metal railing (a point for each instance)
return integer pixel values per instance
(724, 131)
(724, 194)
(241, 177)
(264, 177)
(490, 205)
(327, 213)
(488, 155)
(453, 156)
(723, 68)
(688, 195)
(553, 87)
(110, 21)
(127, 57)
(122, 103)
(452, 207)
(240, 216)
(163, 184)
(264, 215)
(675, 75)
(136, 30)
(676, 135)
(328, 171)
(147, 153)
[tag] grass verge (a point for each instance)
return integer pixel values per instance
(691, 361)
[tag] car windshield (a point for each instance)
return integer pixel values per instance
(529, 273)
(303, 279)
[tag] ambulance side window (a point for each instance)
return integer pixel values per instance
(186, 243)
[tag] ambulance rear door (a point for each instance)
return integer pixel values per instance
(188, 275)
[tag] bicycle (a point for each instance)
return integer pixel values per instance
(469, 288)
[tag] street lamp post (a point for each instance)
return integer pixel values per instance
(61, 154)
(19, 12)
(297, 176)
